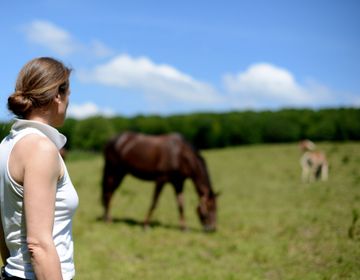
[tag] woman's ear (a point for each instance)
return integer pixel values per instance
(58, 98)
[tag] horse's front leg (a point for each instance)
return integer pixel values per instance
(313, 174)
(180, 202)
(158, 188)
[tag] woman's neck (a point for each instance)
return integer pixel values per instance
(39, 117)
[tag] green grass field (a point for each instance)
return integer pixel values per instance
(270, 224)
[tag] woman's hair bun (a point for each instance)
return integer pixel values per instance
(19, 104)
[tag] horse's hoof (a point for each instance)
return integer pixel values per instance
(107, 220)
(146, 226)
(183, 228)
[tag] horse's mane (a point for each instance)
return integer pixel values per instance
(200, 165)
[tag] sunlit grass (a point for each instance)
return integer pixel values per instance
(270, 225)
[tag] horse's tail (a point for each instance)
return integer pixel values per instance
(109, 169)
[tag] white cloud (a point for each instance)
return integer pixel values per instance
(60, 41)
(87, 110)
(265, 84)
(159, 80)
(51, 36)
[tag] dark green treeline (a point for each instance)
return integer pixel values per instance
(216, 130)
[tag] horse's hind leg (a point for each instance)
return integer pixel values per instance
(318, 172)
(158, 188)
(111, 180)
(324, 171)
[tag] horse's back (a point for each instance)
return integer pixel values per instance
(147, 153)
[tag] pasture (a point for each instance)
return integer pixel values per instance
(270, 224)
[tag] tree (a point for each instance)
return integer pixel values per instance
(92, 133)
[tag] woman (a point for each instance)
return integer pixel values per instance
(37, 197)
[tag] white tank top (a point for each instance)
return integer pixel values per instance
(11, 203)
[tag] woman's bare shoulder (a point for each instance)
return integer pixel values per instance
(34, 154)
(34, 146)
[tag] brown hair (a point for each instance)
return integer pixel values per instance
(38, 82)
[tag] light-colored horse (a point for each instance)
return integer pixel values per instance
(313, 163)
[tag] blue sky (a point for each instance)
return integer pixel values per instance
(170, 57)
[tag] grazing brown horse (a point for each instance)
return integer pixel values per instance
(163, 159)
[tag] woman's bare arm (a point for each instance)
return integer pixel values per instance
(3, 249)
(41, 172)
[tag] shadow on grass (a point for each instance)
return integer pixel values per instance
(153, 224)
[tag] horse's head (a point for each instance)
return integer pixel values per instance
(207, 212)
